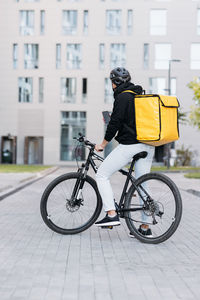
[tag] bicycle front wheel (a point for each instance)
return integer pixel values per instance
(161, 210)
(70, 204)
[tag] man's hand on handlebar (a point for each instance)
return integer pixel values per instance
(99, 148)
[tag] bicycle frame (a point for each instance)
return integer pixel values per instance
(119, 207)
(71, 203)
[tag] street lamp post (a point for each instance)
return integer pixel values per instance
(169, 74)
(169, 93)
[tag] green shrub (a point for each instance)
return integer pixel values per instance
(184, 156)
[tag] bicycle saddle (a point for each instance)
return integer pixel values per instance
(139, 155)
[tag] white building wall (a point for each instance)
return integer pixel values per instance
(45, 117)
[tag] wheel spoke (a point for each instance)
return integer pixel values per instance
(165, 197)
(63, 215)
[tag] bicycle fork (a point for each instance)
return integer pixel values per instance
(77, 190)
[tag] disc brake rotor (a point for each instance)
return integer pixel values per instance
(152, 208)
(72, 206)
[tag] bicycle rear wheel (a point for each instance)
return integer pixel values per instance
(162, 210)
(68, 213)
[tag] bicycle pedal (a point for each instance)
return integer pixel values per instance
(107, 227)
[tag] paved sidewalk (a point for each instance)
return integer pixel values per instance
(186, 184)
(10, 182)
(38, 264)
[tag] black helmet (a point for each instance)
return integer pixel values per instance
(119, 76)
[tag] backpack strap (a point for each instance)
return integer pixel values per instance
(129, 91)
(125, 125)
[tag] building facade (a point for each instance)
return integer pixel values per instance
(55, 59)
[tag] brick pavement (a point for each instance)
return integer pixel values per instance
(38, 264)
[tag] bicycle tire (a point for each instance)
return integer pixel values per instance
(177, 213)
(47, 196)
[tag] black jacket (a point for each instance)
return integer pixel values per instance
(123, 113)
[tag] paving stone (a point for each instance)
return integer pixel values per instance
(38, 264)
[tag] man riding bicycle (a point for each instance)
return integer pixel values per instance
(122, 123)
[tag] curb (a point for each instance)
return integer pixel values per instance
(28, 181)
(194, 192)
(176, 172)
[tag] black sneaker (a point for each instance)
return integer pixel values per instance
(108, 221)
(131, 235)
(147, 233)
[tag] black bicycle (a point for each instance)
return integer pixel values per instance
(71, 203)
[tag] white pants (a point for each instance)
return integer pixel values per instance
(117, 159)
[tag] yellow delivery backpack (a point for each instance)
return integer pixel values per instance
(156, 118)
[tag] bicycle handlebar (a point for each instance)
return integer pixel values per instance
(82, 139)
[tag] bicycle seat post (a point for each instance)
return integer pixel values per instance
(131, 166)
(136, 157)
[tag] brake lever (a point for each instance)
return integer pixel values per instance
(81, 139)
(81, 135)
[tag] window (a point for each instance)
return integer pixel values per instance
(198, 21)
(69, 22)
(15, 56)
(117, 55)
(84, 90)
(42, 21)
(72, 122)
(31, 56)
(157, 85)
(58, 56)
(113, 21)
(101, 55)
(162, 56)
(29, 0)
(68, 90)
(73, 56)
(129, 21)
(41, 89)
(158, 22)
(26, 22)
(25, 88)
(85, 22)
(108, 92)
(146, 56)
(195, 56)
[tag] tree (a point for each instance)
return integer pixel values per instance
(195, 109)
(182, 117)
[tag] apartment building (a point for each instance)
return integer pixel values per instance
(55, 58)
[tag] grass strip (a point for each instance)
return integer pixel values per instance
(171, 169)
(11, 168)
(193, 175)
